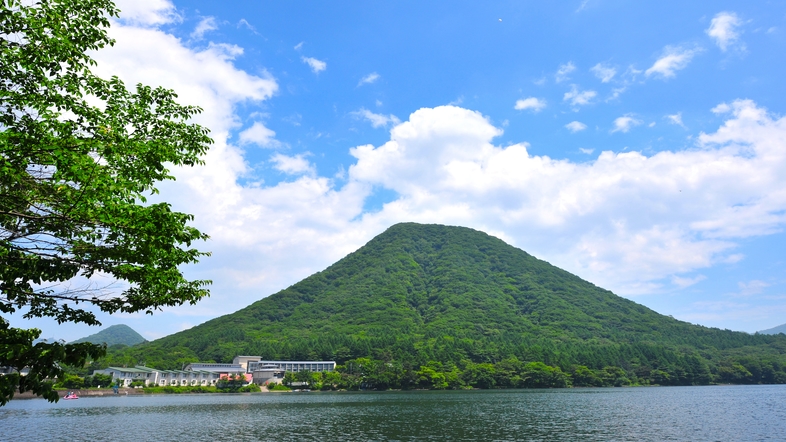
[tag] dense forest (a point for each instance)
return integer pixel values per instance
(447, 307)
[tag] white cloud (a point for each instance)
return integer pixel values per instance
(625, 123)
(293, 165)
(723, 29)
(316, 66)
(299, 46)
(563, 71)
(721, 109)
(684, 282)
(205, 25)
(672, 59)
(576, 126)
(147, 12)
(368, 79)
(244, 23)
(676, 119)
(603, 72)
(258, 134)
(750, 288)
(579, 98)
(586, 151)
(610, 212)
(206, 78)
(376, 120)
(535, 104)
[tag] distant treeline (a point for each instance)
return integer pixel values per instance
(366, 373)
(447, 362)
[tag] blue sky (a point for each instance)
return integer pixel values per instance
(640, 146)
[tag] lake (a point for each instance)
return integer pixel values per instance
(716, 413)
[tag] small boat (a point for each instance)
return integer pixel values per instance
(70, 395)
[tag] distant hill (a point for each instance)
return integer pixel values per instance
(116, 334)
(774, 330)
(421, 294)
(49, 340)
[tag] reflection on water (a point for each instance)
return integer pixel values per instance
(738, 413)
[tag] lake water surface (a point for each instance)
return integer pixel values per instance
(718, 413)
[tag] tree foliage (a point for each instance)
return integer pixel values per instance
(79, 156)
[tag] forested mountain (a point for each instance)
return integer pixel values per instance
(775, 330)
(453, 297)
(113, 335)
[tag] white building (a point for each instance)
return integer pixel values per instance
(191, 378)
(126, 375)
(293, 366)
(208, 373)
(151, 376)
(214, 367)
(244, 360)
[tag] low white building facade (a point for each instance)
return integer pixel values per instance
(208, 373)
(150, 376)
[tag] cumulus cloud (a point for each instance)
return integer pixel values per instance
(603, 73)
(724, 29)
(316, 66)
(376, 120)
(564, 71)
(576, 126)
(532, 103)
(147, 12)
(625, 123)
(672, 59)
(205, 25)
(656, 217)
(206, 77)
(368, 79)
(258, 134)
(293, 165)
(577, 97)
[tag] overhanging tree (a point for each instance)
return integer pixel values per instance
(78, 156)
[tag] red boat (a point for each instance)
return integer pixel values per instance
(70, 395)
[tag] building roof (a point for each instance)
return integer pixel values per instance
(214, 367)
(297, 362)
(132, 369)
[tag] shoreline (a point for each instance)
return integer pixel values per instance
(83, 393)
(140, 391)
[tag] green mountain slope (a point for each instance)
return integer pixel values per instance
(420, 293)
(775, 330)
(113, 335)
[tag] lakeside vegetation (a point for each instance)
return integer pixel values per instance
(169, 389)
(420, 303)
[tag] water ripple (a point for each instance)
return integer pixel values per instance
(738, 413)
